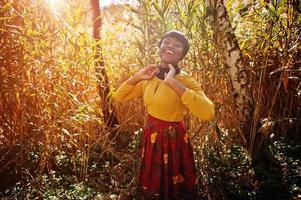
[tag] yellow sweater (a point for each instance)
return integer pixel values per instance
(164, 103)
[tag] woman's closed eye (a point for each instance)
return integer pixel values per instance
(166, 43)
(169, 43)
(178, 45)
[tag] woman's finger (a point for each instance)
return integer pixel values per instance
(154, 72)
(153, 66)
(170, 66)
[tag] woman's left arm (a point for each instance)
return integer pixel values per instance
(192, 96)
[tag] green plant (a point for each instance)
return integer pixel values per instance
(273, 170)
(50, 187)
(226, 170)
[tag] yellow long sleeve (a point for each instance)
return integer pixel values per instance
(196, 101)
(164, 103)
(128, 92)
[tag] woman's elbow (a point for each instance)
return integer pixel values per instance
(210, 113)
(117, 98)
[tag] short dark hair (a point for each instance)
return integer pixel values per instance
(179, 36)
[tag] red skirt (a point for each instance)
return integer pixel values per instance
(167, 168)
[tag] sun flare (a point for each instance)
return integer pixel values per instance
(52, 3)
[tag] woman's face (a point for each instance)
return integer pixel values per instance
(171, 50)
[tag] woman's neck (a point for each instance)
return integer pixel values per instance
(165, 65)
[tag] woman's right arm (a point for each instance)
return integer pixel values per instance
(133, 87)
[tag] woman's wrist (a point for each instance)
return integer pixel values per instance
(169, 80)
(134, 80)
(175, 85)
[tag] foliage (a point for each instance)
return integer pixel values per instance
(226, 168)
(269, 35)
(50, 187)
(49, 102)
(278, 170)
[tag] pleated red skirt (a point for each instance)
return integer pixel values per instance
(167, 168)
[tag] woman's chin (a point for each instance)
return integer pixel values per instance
(168, 60)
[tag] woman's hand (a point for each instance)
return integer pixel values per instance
(145, 73)
(172, 82)
(171, 74)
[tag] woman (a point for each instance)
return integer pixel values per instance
(167, 169)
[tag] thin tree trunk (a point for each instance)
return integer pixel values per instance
(108, 110)
(225, 39)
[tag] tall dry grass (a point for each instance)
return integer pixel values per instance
(49, 102)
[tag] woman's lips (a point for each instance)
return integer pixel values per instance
(169, 52)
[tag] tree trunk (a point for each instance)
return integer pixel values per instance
(225, 39)
(108, 110)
